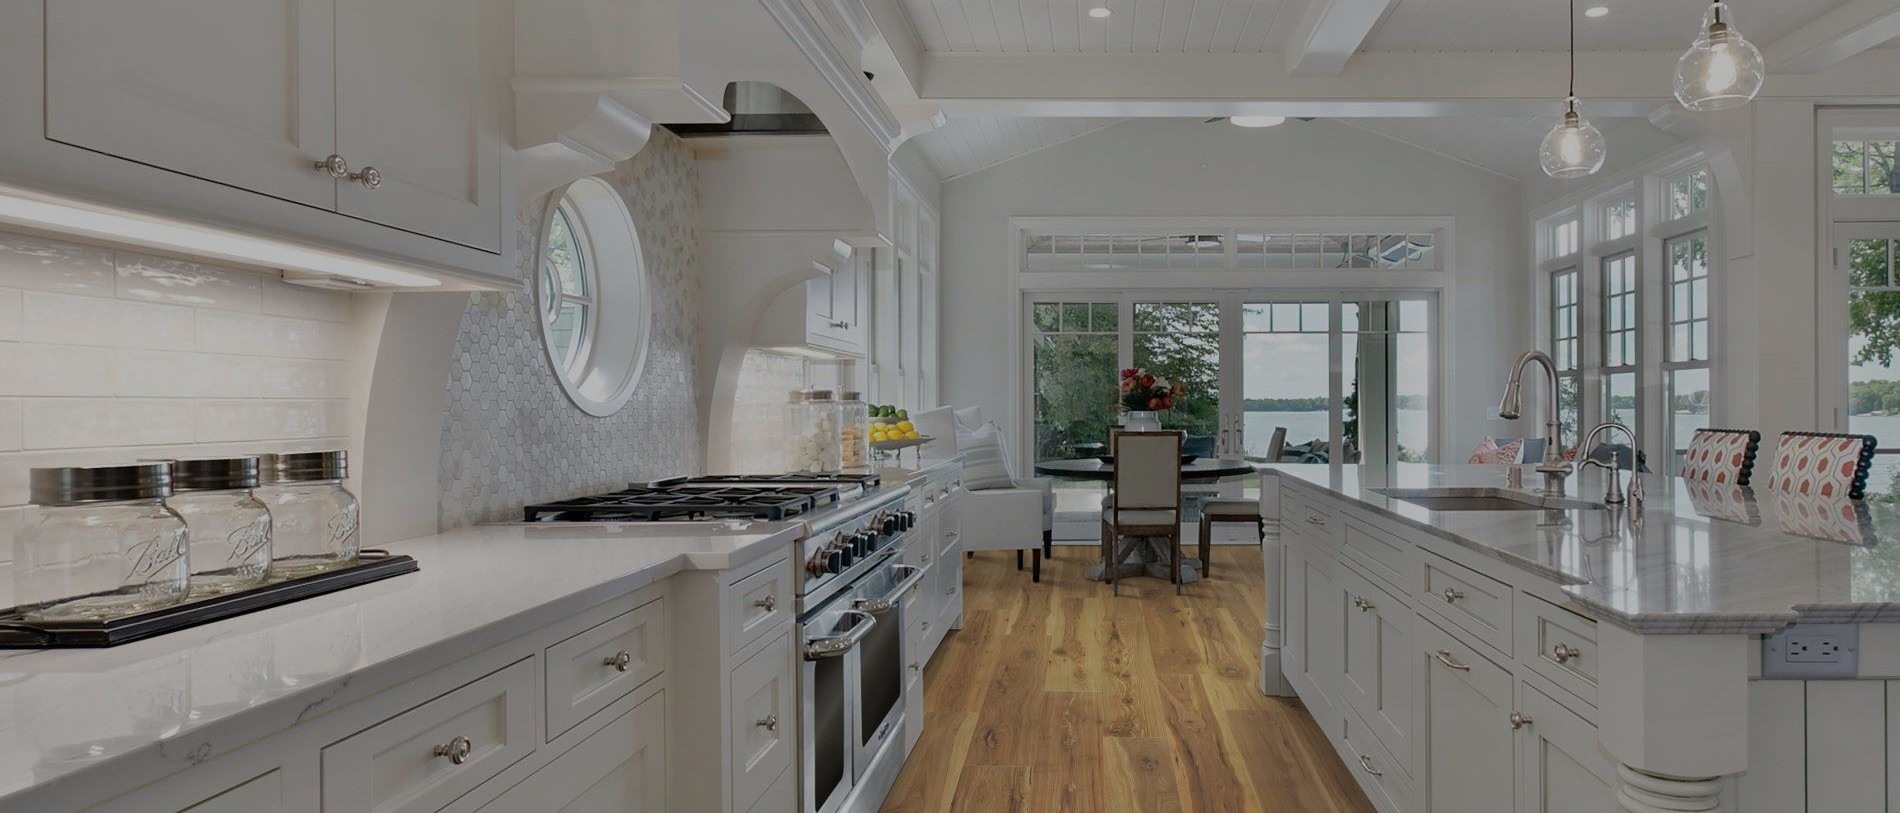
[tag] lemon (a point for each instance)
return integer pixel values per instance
(904, 426)
(912, 435)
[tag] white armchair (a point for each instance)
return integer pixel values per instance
(1015, 519)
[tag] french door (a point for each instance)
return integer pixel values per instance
(1266, 376)
(1862, 304)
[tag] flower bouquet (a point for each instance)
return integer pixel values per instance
(1144, 391)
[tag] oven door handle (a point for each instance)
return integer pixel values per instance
(891, 600)
(818, 649)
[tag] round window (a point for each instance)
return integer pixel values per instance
(591, 296)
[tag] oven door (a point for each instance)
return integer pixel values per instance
(881, 658)
(827, 692)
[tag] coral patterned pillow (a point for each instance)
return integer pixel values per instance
(1824, 466)
(1509, 453)
(1487, 451)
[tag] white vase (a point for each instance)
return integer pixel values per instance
(1141, 420)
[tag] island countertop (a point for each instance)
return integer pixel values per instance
(1701, 559)
(154, 706)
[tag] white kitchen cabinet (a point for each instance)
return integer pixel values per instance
(836, 314)
(1316, 661)
(620, 768)
(416, 89)
(1376, 676)
(1559, 766)
(1465, 725)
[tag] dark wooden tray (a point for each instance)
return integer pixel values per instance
(18, 633)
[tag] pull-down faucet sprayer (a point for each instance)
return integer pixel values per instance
(1553, 466)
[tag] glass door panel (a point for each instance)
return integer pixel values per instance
(1286, 380)
(1075, 349)
(1868, 259)
(1386, 354)
(1180, 341)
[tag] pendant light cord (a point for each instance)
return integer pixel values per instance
(1573, 49)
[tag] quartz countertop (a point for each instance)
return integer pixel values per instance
(157, 705)
(1701, 559)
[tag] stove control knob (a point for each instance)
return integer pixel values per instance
(861, 542)
(874, 539)
(910, 520)
(889, 524)
(835, 561)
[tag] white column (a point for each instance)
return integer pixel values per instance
(1674, 716)
(1639, 792)
(1273, 682)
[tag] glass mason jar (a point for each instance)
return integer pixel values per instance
(104, 545)
(854, 431)
(811, 433)
(230, 528)
(313, 517)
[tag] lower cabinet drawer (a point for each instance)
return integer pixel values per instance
(1379, 773)
(592, 669)
(1473, 601)
(428, 756)
(759, 602)
(781, 797)
(621, 768)
(764, 720)
(1384, 555)
(1558, 644)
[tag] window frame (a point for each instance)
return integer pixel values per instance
(587, 300)
(603, 370)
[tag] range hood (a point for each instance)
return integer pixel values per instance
(758, 108)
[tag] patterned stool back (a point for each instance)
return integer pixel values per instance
(1821, 464)
(1721, 456)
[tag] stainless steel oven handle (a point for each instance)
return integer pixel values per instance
(818, 649)
(891, 600)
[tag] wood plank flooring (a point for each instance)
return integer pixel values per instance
(1059, 697)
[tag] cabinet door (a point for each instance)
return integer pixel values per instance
(1314, 585)
(1560, 769)
(1466, 727)
(422, 95)
(764, 720)
(233, 91)
(621, 768)
(1377, 669)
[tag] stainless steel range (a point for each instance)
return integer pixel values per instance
(850, 588)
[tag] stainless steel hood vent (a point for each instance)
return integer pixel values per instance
(759, 108)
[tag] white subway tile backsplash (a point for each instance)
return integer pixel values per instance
(304, 379)
(9, 315)
(145, 278)
(54, 370)
(254, 335)
(11, 521)
(228, 421)
(158, 374)
(50, 265)
(74, 423)
(284, 299)
(65, 319)
(9, 425)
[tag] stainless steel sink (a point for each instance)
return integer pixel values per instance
(1482, 499)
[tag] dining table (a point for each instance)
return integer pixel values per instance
(1151, 555)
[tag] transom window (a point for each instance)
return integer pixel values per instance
(1565, 236)
(1866, 168)
(1686, 194)
(1231, 249)
(1619, 219)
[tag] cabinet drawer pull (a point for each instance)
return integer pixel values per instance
(1565, 653)
(458, 750)
(1363, 605)
(370, 178)
(1312, 520)
(924, 626)
(1452, 595)
(619, 660)
(1366, 763)
(841, 325)
(770, 723)
(1519, 720)
(916, 668)
(334, 166)
(926, 558)
(768, 604)
(1444, 657)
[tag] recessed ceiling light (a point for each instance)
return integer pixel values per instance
(1100, 12)
(1256, 121)
(1597, 11)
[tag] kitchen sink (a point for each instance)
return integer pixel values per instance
(1482, 499)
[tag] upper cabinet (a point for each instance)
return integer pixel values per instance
(354, 124)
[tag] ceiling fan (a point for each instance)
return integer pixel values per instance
(1258, 121)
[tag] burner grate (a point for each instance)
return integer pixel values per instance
(867, 481)
(676, 503)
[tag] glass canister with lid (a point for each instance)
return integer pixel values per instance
(230, 528)
(811, 432)
(313, 517)
(105, 545)
(854, 430)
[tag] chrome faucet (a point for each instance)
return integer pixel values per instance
(1613, 483)
(1553, 466)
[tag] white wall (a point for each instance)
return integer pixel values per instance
(1173, 167)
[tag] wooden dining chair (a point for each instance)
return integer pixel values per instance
(1146, 502)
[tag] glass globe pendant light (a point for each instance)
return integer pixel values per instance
(1573, 148)
(1721, 70)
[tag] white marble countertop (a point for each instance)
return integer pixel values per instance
(154, 706)
(1702, 559)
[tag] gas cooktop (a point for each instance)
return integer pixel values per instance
(688, 502)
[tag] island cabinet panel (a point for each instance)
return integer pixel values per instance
(1476, 603)
(1465, 725)
(620, 768)
(1384, 555)
(1377, 673)
(1560, 768)
(1847, 741)
(1559, 645)
(1318, 664)
(1384, 780)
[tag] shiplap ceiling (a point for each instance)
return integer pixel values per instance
(966, 145)
(1176, 26)
(1136, 26)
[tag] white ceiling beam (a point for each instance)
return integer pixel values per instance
(1827, 40)
(1330, 32)
(1621, 83)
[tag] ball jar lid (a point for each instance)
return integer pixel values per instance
(76, 485)
(305, 467)
(215, 473)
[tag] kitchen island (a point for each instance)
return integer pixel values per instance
(1555, 654)
(534, 654)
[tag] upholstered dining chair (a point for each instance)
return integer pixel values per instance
(1146, 502)
(1217, 511)
(1822, 464)
(1721, 456)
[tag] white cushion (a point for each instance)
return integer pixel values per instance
(984, 466)
(1231, 507)
(1140, 517)
(969, 419)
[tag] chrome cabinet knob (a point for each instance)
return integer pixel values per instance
(841, 325)
(457, 750)
(1452, 595)
(1366, 763)
(770, 723)
(915, 668)
(768, 604)
(926, 558)
(1565, 653)
(619, 661)
(334, 166)
(370, 178)
(1363, 605)
(1444, 657)
(1519, 720)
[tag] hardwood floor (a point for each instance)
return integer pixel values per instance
(1059, 697)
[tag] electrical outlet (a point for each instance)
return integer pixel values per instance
(1812, 651)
